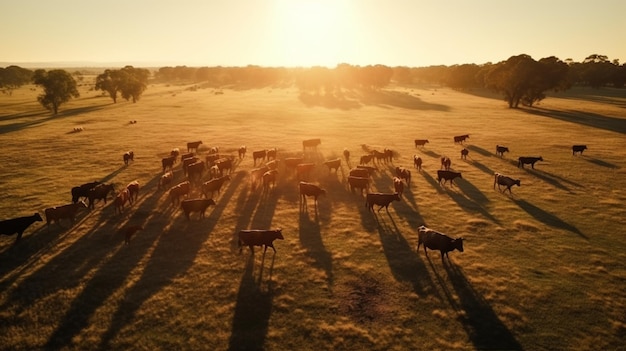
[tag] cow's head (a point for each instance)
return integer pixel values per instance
(278, 234)
(458, 244)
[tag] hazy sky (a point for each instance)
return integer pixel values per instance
(308, 32)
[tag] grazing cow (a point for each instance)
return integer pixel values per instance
(179, 190)
(346, 155)
(82, 190)
(365, 159)
(99, 192)
(464, 154)
(304, 169)
(168, 162)
(500, 150)
(196, 205)
(311, 144)
(417, 162)
(359, 172)
(398, 185)
(224, 164)
(404, 173)
(271, 154)
(133, 191)
(380, 199)
(420, 142)
(18, 225)
(437, 241)
(259, 237)
(195, 170)
(501, 179)
(528, 160)
(242, 151)
(579, 149)
(129, 231)
(361, 183)
(55, 214)
(446, 163)
(256, 176)
(269, 177)
(193, 145)
(128, 156)
(309, 189)
(259, 155)
(121, 199)
(214, 185)
(293, 162)
(333, 164)
(461, 138)
(447, 176)
(165, 180)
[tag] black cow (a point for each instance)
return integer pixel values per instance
(501, 179)
(380, 199)
(82, 190)
(18, 225)
(437, 241)
(447, 176)
(500, 150)
(259, 237)
(528, 160)
(196, 205)
(579, 149)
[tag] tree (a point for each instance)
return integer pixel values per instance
(130, 82)
(109, 81)
(58, 88)
(13, 77)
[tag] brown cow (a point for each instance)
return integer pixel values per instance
(437, 241)
(55, 214)
(179, 190)
(196, 205)
(259, 237)
(133, 191)
(380, 199)
(193, 145)
(361, 183)
(214, 185)
(309, 189)
(333, 164)
(417, 162)
(120, 200)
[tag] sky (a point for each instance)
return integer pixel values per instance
(304, 33)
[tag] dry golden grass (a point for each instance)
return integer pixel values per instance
(542, 268)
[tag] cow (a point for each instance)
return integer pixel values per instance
(500, 150)
(579, 149)
(181, 189)
(188, 161)
(447, 176)
(273, 164)
(311, 144)
(18, 225)
(403, 173)
(224, 164)
(378, 156)
(346, 155)
(259, 237)
(398, 185)
(256, 176)
(521, 161)
(365, 159)
(183, 157)
(388, 155)
(271, 154)
(437, 241)
(196, 205)
(501, 179)
(370, 170)
(309, 189)
(165, 180)
(259, 155)
(193, 145)
(175, 152)
(359, 172)
(420, 142)
(211, 158)
(82, 190)
(55, 214)
(333, 164)
(120, 200)
(304, 169)
(293, 162)
(417, 162)
(269, 177)
(133, 191)
(461, 138)
(128, 156)
(99, 192)
(214, 185)
(464, 154)
(195, 170)
(380, 199)
(361, 183)
(168, 162)
(446, 163)
(242, 151)
(129, 231)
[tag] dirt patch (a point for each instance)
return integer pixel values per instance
(362, 299)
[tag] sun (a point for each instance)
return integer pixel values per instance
(309, 32)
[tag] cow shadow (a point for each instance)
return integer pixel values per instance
(252, 312)
(601, 163)
(311, 239)
(547, 217)
(471, 200)
(484, 328)
(14, 127)
(479, 150)
(433, 182)
(482, 167)
(403, 261)
(582, 117)
(430, 153)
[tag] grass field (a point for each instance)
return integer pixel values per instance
(543, 269)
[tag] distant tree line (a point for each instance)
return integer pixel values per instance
(520, 79)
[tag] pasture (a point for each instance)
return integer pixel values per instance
(543, 268)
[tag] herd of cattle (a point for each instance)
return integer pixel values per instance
(218, 168)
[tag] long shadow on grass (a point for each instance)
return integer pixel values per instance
(472, 200)
(63, 114)
(479, 150)
(485, 329)
(601, 163)
(311, 240)
(547, 217)
(403, 262)
(482, 167)
(384, 98)
(582, 117)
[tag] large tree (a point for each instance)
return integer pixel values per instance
(109, 81)
(129, 81)
(13, 77)
(58, 88)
